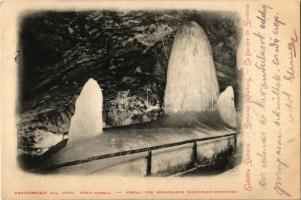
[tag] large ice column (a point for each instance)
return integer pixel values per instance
(87, 119)
(226, 108)
(191, 76)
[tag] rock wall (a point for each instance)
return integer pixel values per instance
(126, 52)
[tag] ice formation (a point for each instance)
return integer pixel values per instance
(191, 76)
(87, 119)
(226, 108)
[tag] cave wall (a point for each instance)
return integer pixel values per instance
(127, 52)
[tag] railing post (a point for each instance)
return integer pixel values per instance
(149, 163)
(235, 143)
(194, 154)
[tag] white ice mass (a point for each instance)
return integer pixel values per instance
(226, 108)
(87, 118)
(191, 76)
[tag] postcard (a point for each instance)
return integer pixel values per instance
(150, 99)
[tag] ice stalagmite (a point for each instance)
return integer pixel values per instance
(191, 76)
(226, 108)
(87, 119)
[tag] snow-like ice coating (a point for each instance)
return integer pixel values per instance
(226, 108)
(87, 119)
(191, 76)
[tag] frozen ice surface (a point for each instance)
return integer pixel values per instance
(116, 140)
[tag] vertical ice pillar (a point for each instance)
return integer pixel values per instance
(226, 107)
(87, 118)
(191, 76)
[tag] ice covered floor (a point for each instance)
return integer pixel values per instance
(172, 159)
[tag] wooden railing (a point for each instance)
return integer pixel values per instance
(147, 149)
